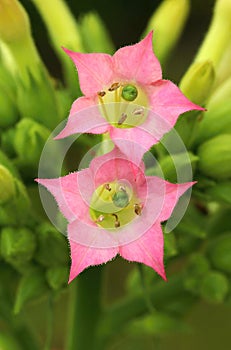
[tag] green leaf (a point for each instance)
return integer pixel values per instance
(32, 286)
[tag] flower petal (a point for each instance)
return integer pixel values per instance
(116, 165)
(138, 141)
(83, 257)
(167, 101)
(170, 193)
(84, 117)
(148, 249)
(95, 70)
(72, 203)
(138, 62)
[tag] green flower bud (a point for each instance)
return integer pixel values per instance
(198, 267)
(218, 36)
(221, 192)
(8, 110)
(32, 286)
(197, 82)
(176, 164)
(16, 40)
(156, 324)
(168, 22)
(224, 68)
(29, 141)
(14, 23)
(57, 277)
(17, 245)
(37, 100)
(7, 142)
(214, 287)
(17, 211)
(95, 35)
(63, 31)
(6, 162)
(52, 247)
(217, 119)
(215, 157)
(219, 222)
(8, 342)
(219, 253)
(7, 187)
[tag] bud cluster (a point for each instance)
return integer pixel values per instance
(34, 256)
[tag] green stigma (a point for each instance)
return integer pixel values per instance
(120, 199)
(114, 205)
(129, 92)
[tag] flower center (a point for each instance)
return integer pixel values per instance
(123, 105)
(114, 205)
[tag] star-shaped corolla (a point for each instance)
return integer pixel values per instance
(133, 101)
(113, 208)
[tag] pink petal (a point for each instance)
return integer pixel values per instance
(115, 165)
(72, 201)
(84, 117)
(148, 249)
(139, 140)
(167, 101)
(138, 62)
(170, 194)
(83, 257)
(95, 71)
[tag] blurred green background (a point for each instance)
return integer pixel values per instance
(126, 20)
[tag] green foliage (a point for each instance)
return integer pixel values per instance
(34, 256)
(52, 247)
(32, 286)
(219, 252)
(214, 287)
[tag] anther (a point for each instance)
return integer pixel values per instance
(117, 222)
(122, 188)
(100, 218)
(122, 118)
(107, 187)
(138, 111)
(101, 93)
(138, 209)
(114, 87)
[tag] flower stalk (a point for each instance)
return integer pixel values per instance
(85, 310)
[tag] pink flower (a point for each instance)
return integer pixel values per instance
(113, 208)
(127, 95)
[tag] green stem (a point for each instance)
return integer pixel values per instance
(50, 323)
(85, 310)
(145, 288)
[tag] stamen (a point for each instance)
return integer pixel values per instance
(117, 222)
(138, 208)
(114, 87)
(122, 188)
(100, 218)
(107, 187)
(138, 111)
(101, 93)
(122, 118)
